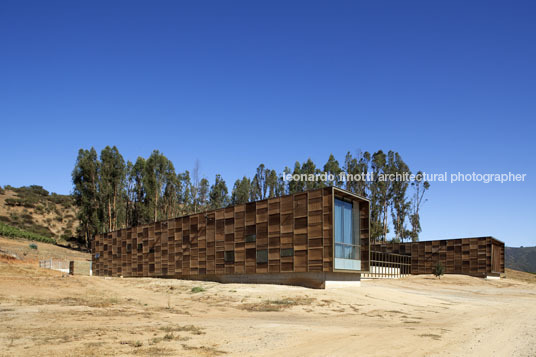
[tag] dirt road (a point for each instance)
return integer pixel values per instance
(43, 313)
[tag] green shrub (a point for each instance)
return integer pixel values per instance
(12, 202)
(33, 190)
(64, 200)
(197, 289)
(29, 202)
(13, 232)
(33, 246)
(439, 270)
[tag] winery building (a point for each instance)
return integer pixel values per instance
(315, 238)
(318, 238)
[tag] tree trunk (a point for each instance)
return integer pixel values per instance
(114, 225)
(384, 220)
(156, 205)
(109, 216)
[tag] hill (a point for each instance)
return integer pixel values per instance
(523, 258)
(31, 252)
(34, 209)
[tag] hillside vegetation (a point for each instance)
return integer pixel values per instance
(13, 232)
(523, 258)
(32, 212)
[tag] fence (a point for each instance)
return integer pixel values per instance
(79, 267)
(388, 265)
(55, 264)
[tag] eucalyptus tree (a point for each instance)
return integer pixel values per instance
(333, 168)
(203, 194)
(157, 173)
(295, 186)
(259, 184)
(241, 191)
(309, 168)
(137, 212)
(184, 193)
(272, 184)
(218, 193)
(400, 204)
(169, 207)
(282, 187)
(111, 185)
(379, 196)
(85, 178)
(420, 186)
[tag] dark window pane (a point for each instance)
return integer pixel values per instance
(262, 256)
(289, 252)
(251, 238)
(229, 257)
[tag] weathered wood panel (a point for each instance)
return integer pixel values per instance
(479, 256)
(285, 234)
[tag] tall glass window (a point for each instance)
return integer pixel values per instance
(346, 244)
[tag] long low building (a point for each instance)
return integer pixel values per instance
(315, 238)
(480, 256)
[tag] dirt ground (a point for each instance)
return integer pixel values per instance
(21, 249)
(43, 312)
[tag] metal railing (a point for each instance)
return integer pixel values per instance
(388, 265)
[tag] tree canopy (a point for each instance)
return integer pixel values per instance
(112, 194)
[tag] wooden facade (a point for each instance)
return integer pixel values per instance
(289, 234)
(481, 257)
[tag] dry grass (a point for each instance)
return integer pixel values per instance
(25, 254)
(194, 330)
(204, 350)
(92, 301)
(276, 305)
(521, 276)
(431, 335)
(154, 351)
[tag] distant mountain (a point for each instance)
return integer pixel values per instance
(523, 258)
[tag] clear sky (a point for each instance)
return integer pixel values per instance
(450, 85)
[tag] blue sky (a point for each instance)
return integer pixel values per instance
(449, 85)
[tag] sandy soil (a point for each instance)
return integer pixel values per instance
(46, 313)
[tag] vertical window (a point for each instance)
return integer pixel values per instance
(346, 243)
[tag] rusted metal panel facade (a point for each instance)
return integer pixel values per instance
(482, 256)
(287, 234)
